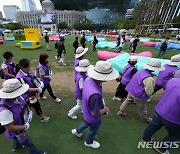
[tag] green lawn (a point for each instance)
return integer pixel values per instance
(117, 135)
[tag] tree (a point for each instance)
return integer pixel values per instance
(62, 25)
(14, 26)
(86, 25)
(176, 22)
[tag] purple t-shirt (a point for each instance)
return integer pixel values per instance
(95, 105)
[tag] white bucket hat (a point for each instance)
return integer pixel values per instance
(175, 60)
(133, 58)
(103, 71)
(12, 88)
(80, 51)
(154, 65)
(84, 65)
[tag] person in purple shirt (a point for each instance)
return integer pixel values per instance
(84, 65)
(93, 105)
(80, 52)
(128, 72)
(13, 111)
(140, 88)
(167, 114)
(167, 74)
(8, 65)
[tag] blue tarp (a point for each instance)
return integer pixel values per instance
(91, 38)
(120, 62)
(9, 38)
(170, 46)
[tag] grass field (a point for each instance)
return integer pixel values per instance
(117, 135)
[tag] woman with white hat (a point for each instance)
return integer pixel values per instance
(12, 117)
(128, 72)
(84, 65)
(80, 52)
(167, 74)
(167, 113)
(92, 101)
(140, 88)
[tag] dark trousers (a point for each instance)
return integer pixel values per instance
(83, 45)
(49, 89)
(161, 53)
(134, 49)
(157, 123)
(120, 91)
(156, 88)
(36, 106)
(59, 54)
(94, 47)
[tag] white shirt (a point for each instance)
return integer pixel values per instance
(4, 66)
(81, 83)
(6, 117)
(132, 39)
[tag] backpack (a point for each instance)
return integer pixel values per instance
(2, 128)
(164, 45)
(1, 74)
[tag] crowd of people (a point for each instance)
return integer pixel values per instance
(22, 89)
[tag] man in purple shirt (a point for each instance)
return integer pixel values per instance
(167, 114)
(93, 105)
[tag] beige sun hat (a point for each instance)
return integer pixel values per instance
(175, 60)
(133, 58)
(12, 88)
(103, 71)
(154, 65)
(84, 65)
(80, 51)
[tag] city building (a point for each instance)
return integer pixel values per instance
(28, 5)
(10, 12)
(48, 17)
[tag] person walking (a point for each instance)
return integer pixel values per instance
(92, 101)
(12, 112)
(61, 52)
(140, 88)
(135, 44)
(167, 74)
(84, 65)
(8, 65)
(25, 75)
(83, 41)
(95, 41)
(167, 113)
(46, 76)
(163, 48)
(128, 72)
(75, 45)
(46, 38)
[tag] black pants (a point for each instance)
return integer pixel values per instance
(75, 50)
(156, 88)
(134, 49)
(49, 89)
(36, 106)
(94, 47)
(121, 92)
(83, 45)
(59, 54)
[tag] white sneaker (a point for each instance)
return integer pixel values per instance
(149, 100)
(116, 99)
(42, 98)
(72, 116)
(94, 145)
(56, 57)
(64, 64)
(74, 132)
(47, 118)
(57, 100)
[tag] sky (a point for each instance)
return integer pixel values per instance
(15, 2)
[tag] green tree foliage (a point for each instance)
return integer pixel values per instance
(87, 25)
(176, 22)
(14, 26)
(123, 24)
(62, 25)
